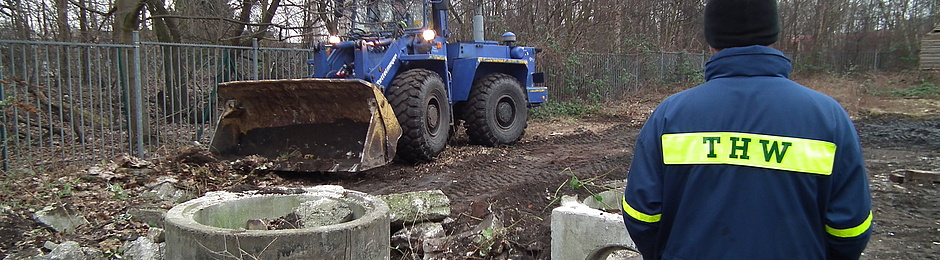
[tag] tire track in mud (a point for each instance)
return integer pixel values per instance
(902, 132)
(539, 164)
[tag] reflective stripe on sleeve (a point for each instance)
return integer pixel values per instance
(755, 150)
(852, 231)
(639, 215)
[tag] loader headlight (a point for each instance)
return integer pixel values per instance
(333, 39)
(428, 35)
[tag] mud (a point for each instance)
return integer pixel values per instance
(519, 185)
(303, 147)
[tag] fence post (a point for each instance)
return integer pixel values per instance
(137, 102)
(254, 56)
(703, 60)
(636, 71)
(3, 128)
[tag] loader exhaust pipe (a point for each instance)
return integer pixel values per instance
(478, 23)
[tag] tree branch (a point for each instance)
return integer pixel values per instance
(209, 18)
(80, 6)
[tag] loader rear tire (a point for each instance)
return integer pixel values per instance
(496, 113)
(420, 103)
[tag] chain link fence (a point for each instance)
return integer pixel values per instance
(73, 104)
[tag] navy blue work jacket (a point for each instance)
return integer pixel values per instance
(749, 165)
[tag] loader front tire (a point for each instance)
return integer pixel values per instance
(420, 103)
(495, 113)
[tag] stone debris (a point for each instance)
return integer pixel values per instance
(413, 236)
(610, 200)
(68, 250)
(164, 190)
(143, 249)
(415, 207)
(323, 212)
(256, 224)
(157, 235)
(59, 218)
(151, 216)
(418, 214)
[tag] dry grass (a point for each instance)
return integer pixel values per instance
(866, 93)
(860, 94)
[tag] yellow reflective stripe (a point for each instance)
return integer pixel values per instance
(639, 215)
(764, 151)
(853, 231)
(499, 60)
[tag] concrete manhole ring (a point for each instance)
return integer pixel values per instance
(219, 226)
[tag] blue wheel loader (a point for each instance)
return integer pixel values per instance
(391, 87)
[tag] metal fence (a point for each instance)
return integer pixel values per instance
(72, 104)
(608, 77)
(586, 77)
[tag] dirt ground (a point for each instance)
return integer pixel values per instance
(518, 184)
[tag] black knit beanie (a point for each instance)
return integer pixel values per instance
(739, 23)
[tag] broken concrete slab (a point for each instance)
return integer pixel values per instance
(609, 200)
(420, 206)
(581, 232)
(151, 216)
(157, 235)
(143, 249)
(163, 189)
(59, 218)
(68, 250)
(323, 212)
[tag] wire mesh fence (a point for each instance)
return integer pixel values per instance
(73, 104)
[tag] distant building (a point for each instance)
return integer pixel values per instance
(930, 50)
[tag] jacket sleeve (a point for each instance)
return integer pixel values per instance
(848, 217)
(642, 200)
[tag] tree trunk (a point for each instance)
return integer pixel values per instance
(126, 21)
(174, 97)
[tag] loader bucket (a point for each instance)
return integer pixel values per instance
(307, 125)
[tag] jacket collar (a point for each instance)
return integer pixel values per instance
(748, 61)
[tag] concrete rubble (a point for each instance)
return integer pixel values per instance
(143, 248)
(571, 241)
(151, 216)
(323, 212)
(65, 250)
(60, 218)
(415, 207)
(417, 216)
(609, 200)
(164, 190)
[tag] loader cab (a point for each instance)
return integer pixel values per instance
(382, 17)
(376, 36)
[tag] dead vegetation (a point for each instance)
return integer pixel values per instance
(514, 184)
